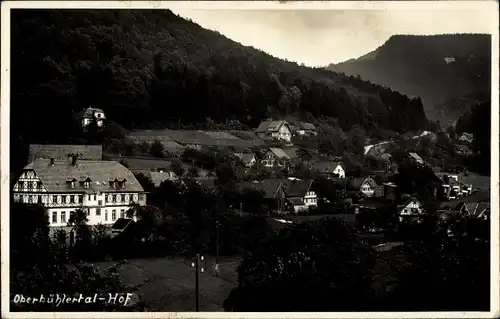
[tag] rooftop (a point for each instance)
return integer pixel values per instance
(57, 177)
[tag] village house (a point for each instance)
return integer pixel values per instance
(248, 159)
(277, 157)
(105, 190)
(90, 114)
(300, 194)
(329, 169)
(60, 152)
(272, 190)
(451, 187)
(305, 129)
(279, 130)
(368, 187)
(411, 210)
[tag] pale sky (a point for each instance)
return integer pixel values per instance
(318, 38)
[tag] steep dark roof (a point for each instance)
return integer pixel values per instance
(327, 166)
(270, 126)
(246, 158)
(89, 113)
(357, 182)
(268, 186)
(47, 151)
(296, 201)
(297, 188)
(121, 224)
(56, 178)
(307, 126)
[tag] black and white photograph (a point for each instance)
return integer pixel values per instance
(249, 157)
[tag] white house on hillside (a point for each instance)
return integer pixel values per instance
(412, 208)
(105, 190)
(274, 129)
(90, 114)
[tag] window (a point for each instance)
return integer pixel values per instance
(25, 184)
(54, 199)
(35, 184)
(63, 217)
(87, 185)
(54, 217)
(113, 215)
(141, 197)
(99, 203)
(114, 199)
(30, 199)
(72, 184)
(106, 215)
(122, 213)
(72, 199)
(71, 214)
(95, 197)
(118, 198)
(88, 197)
(98, 212)
(35, 199)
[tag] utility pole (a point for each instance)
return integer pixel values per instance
(198, 269)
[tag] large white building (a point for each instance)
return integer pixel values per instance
(105, 190)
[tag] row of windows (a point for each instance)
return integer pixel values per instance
(75, 199)
(310, 200)
(62, 215)
(30, 185)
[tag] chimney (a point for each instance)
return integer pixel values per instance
(74, 160)
(52, 162)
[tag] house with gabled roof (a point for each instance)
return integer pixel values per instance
(272, 190)
(276, 157)
(367, 186)
(248, 159)
(105, 190)
(452, 188)
(305, 129)
(330, 169)
(410, 209)
(300, 194)
(86, 116)
(279, 130)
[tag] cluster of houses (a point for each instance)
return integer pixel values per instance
(64, 178)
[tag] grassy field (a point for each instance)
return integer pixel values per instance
(167, 284)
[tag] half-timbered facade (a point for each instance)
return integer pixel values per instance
(105, 190)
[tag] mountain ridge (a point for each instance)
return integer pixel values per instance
(436, 68)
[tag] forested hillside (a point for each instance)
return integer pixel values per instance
(437, 68)
(149, 68)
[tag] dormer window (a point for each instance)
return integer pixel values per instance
(87, 182)
(72, 183)
(122, 183)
